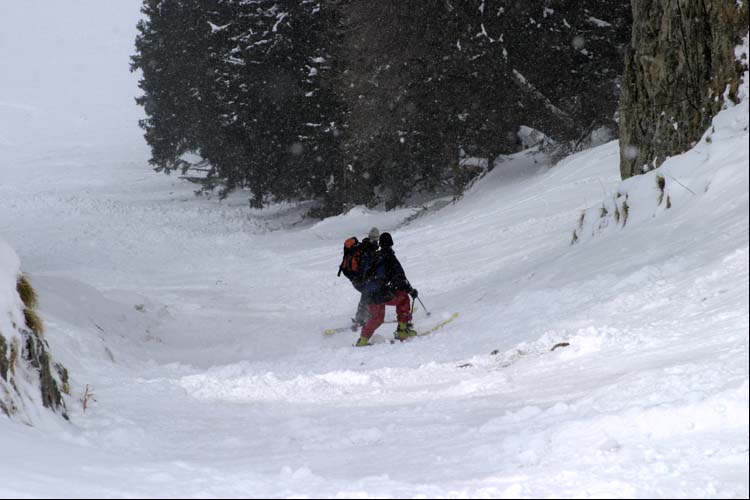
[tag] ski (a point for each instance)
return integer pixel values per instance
(435, 327)
(438, 326)
(351, 328)
(432, 329)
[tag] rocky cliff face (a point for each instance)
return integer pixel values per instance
(679, 68)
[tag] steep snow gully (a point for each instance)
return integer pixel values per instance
(198, 324)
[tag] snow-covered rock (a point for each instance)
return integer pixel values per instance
(29, 378)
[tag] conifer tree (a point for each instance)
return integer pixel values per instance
(360, 102)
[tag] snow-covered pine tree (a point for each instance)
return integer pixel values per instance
(360, 102)
(555, 66)
(276, 107)
(423, 81)
(171, 55)
(389, 81)
(238, 83)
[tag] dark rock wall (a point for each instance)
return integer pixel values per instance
(679, 64)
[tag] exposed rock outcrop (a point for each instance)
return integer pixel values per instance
(27, 374)
(679, 68)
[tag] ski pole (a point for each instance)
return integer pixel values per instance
(423, 307)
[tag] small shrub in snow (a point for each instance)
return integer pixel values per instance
(33, 321)
(15, 349)
(661, 183)
(87, 398)
(26, 292)
(29, 299)
(64, 378)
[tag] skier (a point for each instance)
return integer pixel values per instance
(369, 247)
(385, 284)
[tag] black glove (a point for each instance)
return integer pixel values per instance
(414, 293)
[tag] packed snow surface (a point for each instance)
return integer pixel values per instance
(198, 323)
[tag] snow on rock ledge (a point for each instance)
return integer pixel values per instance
(29, 379)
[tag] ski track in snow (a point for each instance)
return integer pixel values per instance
(198, 324)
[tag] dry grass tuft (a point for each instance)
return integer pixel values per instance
(27, 293)
(33, 321)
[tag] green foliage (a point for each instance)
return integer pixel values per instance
(363, 102)
(237, 83)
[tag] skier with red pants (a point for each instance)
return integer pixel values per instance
(385, 284)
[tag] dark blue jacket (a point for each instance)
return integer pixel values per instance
(384, 276)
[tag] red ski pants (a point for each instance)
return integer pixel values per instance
(377, 312)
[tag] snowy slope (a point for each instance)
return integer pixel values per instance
(245, 397)
(198, 324)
